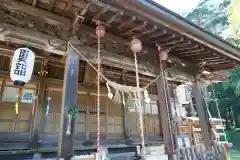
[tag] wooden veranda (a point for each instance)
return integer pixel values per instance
(47, 26)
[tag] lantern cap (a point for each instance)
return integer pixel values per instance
(19, 83)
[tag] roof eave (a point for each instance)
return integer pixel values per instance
(156, 13)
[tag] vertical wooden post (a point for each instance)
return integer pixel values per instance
(39, 105)
(2, 89)
(165, 111)
(86, 119)
(125, 112)
(202, 113)
(70, 88)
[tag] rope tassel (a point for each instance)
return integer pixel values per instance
(18, 100)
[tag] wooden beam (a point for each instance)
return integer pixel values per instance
(41, 41)
(110, 20)
(158, 15)
(117, 39)
(52, 4)
(132, 19)
(69, 5)
(139, 27)
(34, 2)
(158, 34)
(37, 13)
(171, 43)
(193, 51)
(187, 48)
(99, 13)
(198, 54)
(44, 16)
(55, 45)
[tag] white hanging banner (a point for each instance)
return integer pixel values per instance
(27, 96)
(22, 65)
(182, 94)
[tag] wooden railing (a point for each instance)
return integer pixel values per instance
(199, 152)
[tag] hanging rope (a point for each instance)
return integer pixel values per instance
(98, 96)
(139, 106)
(100, 32)
(106, 79)
(110, 83)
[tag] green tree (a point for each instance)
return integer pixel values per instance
(213, 16)
(227, 94)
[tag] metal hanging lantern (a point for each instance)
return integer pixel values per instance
(100, 30)
(163, 54)
(136, 45)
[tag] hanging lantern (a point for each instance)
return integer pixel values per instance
(100, 30)
(163, 55)
(22, 66)
(136, 45)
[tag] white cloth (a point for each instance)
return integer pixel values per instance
(182, 94)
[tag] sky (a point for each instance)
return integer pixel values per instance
(179, 6)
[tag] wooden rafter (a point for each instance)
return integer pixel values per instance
(148, 33)
(52, 4)
(139, 27)
(99, 13)
(110, 20)
(151, 30)
(188, 48)
(157, 35)
(193, 51)
(132, 19)
(34, 3)
(69, 5)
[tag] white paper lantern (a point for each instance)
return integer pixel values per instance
(22, 66)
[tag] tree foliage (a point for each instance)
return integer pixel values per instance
(227, 94)
(234, 18)
(219, 17)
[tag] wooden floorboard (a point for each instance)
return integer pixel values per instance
(19, 141)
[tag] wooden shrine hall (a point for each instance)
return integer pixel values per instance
(47, 25)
